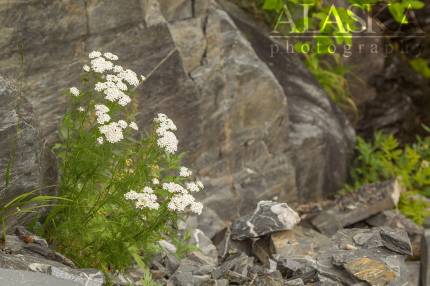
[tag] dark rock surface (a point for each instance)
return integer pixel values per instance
(268, 217)
(425, 258)
(34, 255)
(359, 205)
(26, 278)
(256, 127)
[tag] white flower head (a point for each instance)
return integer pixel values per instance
(168, 142)
(81, 109)
(122, 124)
(74, 91)
(100, 140)
(100, 65)
(145, 199)
(192, 187)
(102, 118)
(155, 181)
(185, 172)
(129, 76)
(101, 108)
(196, 207)
(110, 56)
(143, 78)
(86, 68)
(133, 126)
(94, 54)
(112, 132)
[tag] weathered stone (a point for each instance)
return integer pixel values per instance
(209, 222)
(261, 250)
(395, 219)
(295, 282)
(413, 273)
(396, 240)
(267, 218)
(195, 269)
(27, 278)
(357, 206)
(227, 246)
(204, 243)
(298, 241)
(21, 146)
(235, 269)
(425, 258)
(20, 255)
(174, 10)
(372, 271)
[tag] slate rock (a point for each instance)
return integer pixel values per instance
(204, 243)
(294, 282)
(267, 218)
(235, 268)
(27, 278)
(298, 241)
(396, 240)
(359, 205)
(425, 258)
(226, 246)
(395, 219)
(370, 270)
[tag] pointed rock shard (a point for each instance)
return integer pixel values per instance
(396, 240)
(267, 218)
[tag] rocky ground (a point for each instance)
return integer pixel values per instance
(359, 239)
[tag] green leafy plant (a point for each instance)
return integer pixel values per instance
(125, 189)
(421, 66)
(384, 158)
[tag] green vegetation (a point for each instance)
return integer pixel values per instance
(384, 158)
(421, 66)
(125, 189)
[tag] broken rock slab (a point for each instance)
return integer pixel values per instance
(27, 278)
(267, 218)
(359, 205)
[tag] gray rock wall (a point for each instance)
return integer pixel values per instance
(255, 127)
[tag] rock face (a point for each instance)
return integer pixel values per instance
(257, 125)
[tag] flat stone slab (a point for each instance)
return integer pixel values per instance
(27, 278)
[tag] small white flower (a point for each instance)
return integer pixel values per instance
(118, 69)
(74, 91)
(196, 207)
(103, 118)
(185, 172)
(174, 188)
(100, 140)
(168, 142)
(94, 54)
(145, 199)
(101, 108)
(86, 68)
(110, 56)
(200, 184)
(129, 76)
(133, 125)
(124, 100)
(112, 132)
(100, 65)
(155, 181)
(122, 124)
(192, 187)
(81, 109)
(143, 78)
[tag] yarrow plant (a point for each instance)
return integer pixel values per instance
(124, 189)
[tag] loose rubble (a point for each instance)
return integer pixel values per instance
(272, 246)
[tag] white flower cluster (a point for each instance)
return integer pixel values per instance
(117, 82)
(182, 197)
(74, 91)
(144, 199)
(185, 172)
(166, 138)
